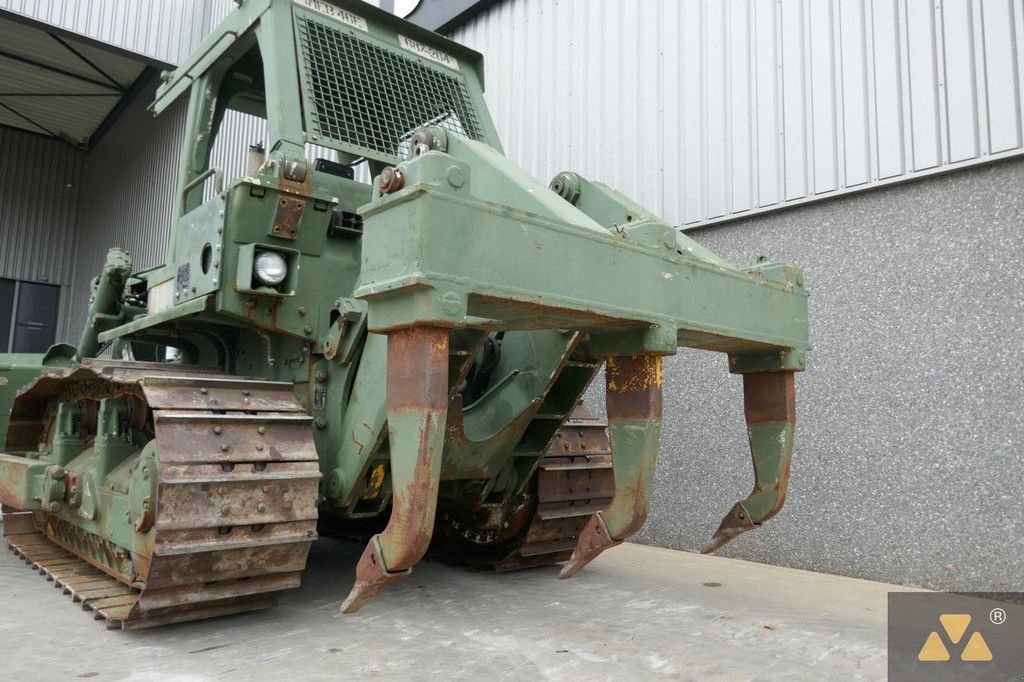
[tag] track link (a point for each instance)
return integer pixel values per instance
(236, 501)
(574, 480)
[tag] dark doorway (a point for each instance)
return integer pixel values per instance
(28, 316)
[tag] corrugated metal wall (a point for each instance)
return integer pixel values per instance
(705, 109)
(127, 195)
(40, 179)
(164, 30)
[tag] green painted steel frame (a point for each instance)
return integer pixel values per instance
(471, 241)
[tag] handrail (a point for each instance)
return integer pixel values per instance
(218, 185)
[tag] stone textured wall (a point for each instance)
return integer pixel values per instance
(908, 465)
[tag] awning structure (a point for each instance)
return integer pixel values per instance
(61, 85)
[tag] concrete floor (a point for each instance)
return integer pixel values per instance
(636, 612)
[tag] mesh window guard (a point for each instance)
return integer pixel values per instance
(373, 98)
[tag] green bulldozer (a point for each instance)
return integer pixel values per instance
(400, 359)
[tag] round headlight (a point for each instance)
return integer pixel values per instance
(270, 268)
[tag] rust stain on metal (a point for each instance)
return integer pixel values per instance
(634, 373)
(257, 466)
(634, 386)
(415, 358)
(417, 391)
(272, 311)
(371, 578)
(735, 523)
(391, 180)
(769, 397)
(634, 401)
(455, 429)
(638, 396)
(288, 217)
(295, 190)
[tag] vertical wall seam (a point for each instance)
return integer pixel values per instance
(983, 137)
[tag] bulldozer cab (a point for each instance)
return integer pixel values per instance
(342, 75)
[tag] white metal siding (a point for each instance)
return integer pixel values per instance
(40, 179)
(164, 30)
(127, 196)
(706, 109)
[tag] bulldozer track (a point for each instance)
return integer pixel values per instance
(237, 492)
(574, 480)
(236, 501)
